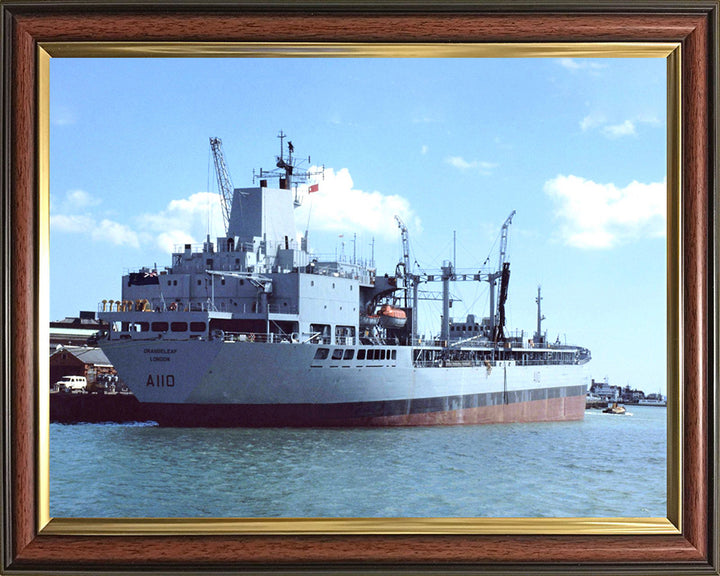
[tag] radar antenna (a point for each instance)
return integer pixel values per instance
(288, 169)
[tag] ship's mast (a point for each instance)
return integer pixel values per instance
(447, 275)
(287, 166)
(540, 318)
(288, 170)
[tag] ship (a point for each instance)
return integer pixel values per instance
(256, 330)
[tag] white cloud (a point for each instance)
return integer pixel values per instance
(81, 199)
(62, 116)
(118, 234)
(484, 168)
(339, 207)
(591, 121)
(594, 215)
(649, 119)
(573, 64)
(173, 239)
(627, 128)
(184, 221)
(100, 231)
(424, 150)
(70, 223)
(569, 63)
(73, 201)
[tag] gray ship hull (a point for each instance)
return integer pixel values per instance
(201, 383)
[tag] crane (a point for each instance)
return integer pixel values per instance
(448, 274)
(405, 245)
(225, 185)
(497, 311)
(497, 306)
(503, 240)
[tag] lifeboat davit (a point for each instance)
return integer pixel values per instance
(391, 317)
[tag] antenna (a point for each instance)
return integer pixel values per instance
(455, 249)
(540, 318)
(288, 171)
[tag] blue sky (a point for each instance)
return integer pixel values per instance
(577, 147)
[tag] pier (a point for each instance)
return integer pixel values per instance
(89, 407)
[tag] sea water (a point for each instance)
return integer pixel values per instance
(605, 465)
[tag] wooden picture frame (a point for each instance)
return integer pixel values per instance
(687, 543)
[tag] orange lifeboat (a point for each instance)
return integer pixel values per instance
(369, 320)
(391, 317)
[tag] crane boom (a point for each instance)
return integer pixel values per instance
(405, 244)
(225, 185)
(497, 319)
(503, 241)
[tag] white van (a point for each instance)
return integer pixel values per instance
(71, 383)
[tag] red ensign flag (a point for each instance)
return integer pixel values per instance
(314, 188)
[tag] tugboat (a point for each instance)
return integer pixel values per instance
(253, 330)
(615, 409)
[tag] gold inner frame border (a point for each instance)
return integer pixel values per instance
(380, 526)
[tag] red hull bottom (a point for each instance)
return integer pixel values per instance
(125, 408)
(547, 410)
